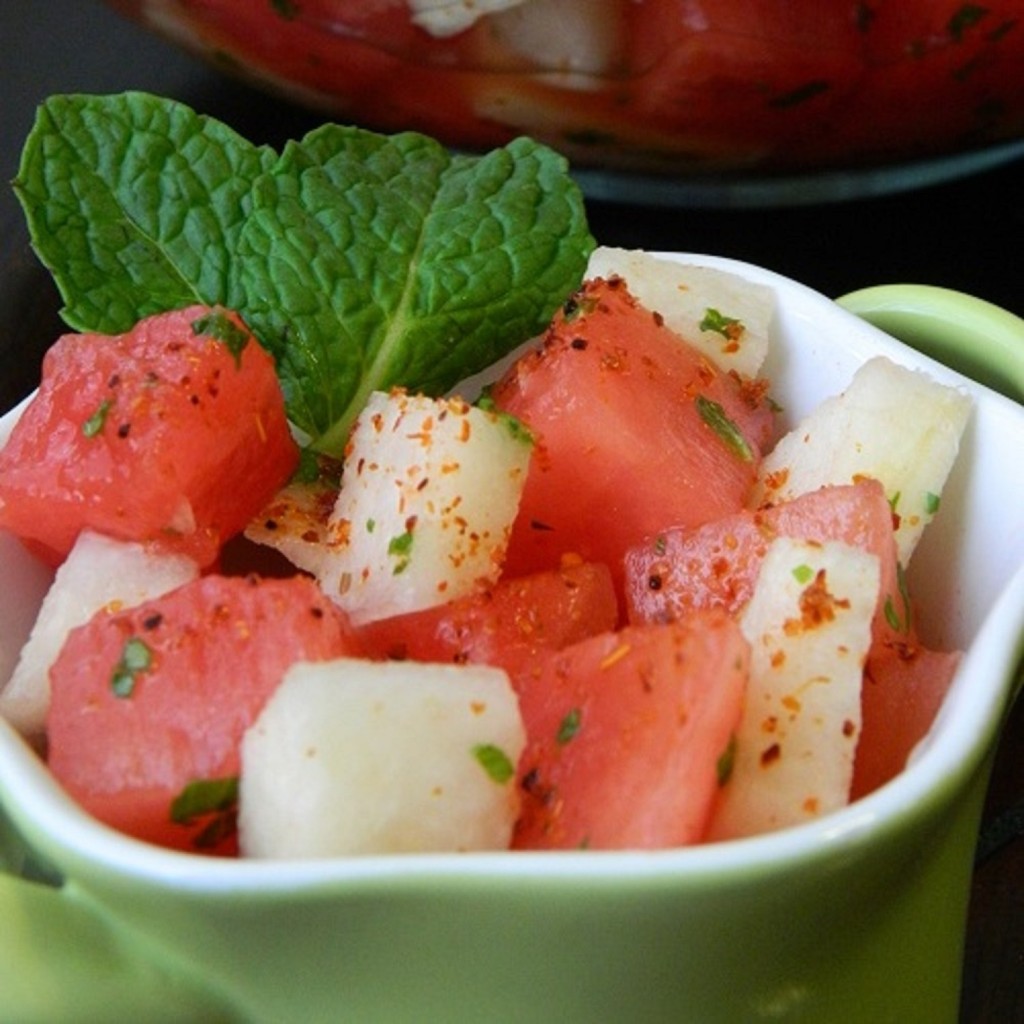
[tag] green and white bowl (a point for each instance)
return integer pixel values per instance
(857, 917)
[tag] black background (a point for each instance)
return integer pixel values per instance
(965, 234)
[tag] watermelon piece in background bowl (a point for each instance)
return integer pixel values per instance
(858, 916)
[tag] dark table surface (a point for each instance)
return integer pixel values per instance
(963, 233)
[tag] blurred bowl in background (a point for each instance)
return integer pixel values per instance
(679, 89)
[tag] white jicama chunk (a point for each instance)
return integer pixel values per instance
(566, 37)
(723, 315)
(429, 491)
(893, 424)
(356, 757)
(296, 523)
(449, 17)
(809, 627)
(99, 573)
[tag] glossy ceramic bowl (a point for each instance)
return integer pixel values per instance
(857, 917)
(678, 88)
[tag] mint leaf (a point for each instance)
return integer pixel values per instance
(135, 204)
(373, 260)
(361, 261)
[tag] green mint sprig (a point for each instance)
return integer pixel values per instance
(361, 261)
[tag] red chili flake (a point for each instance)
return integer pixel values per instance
(770, 754)
(777, 480)
(615, 360)
(720, 567)
(817, 606)
(752, 391)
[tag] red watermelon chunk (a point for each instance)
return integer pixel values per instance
(904, 686)
(173, 433)
(628, 734)
(637, 431)
(510, 626)
(153, 700)
(716, 565)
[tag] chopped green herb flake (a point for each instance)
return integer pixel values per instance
(136, 657)
(371, 525)
(803, 574)
(891, 616)
(714, 416)
(726, 762)
(896, 621)
(726, 326)
(219, 326)
(94, 424)
(894, 500)
(204, 796)
(400, 548)
(494, 761)
(568, 727)
(217, 798)
(931, 503)
(901, 583)
(516, 427)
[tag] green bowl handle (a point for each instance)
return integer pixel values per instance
(62, 960)
(975, 337)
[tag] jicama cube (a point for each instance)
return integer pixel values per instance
(893, 424)
(809, 627)
(429, 491)
(722, 314)
(353, 757)
(574, 39)
(100, 573)
(297, 523)
(444, 18)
